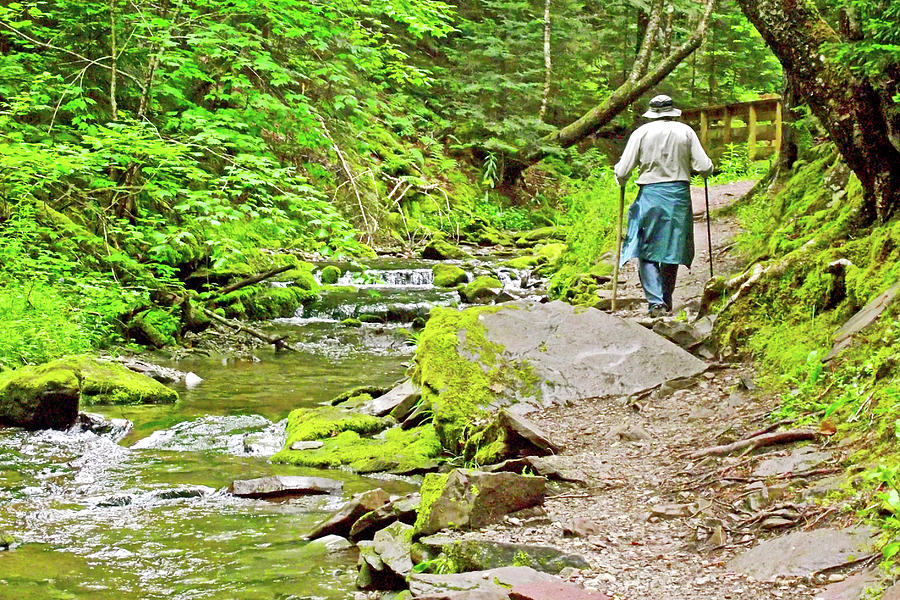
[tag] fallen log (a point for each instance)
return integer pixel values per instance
(759, 441)
(280, 343)
(255, 279)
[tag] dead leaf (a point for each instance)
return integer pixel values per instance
(497, 388)
(827, 427)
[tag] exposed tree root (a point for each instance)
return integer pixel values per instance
(768, 439)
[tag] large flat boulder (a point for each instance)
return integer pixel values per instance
(472, 499)
(284, 485)
(801, 553)
(526, 356)
(586, 353)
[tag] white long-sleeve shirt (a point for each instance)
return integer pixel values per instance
(663, 150)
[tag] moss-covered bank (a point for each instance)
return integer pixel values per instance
(813, 266)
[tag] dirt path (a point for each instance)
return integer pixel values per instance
(632, 452)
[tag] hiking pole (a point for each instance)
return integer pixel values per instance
(708, 228)
(618, 245)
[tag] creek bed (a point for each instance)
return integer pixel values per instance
(147, 517)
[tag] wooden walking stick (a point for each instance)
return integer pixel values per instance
(708, 228)
(618, 245)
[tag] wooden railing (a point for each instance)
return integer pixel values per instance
(756, 123)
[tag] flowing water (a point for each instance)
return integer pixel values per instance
(142, 512)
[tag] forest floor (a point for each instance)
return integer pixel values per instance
(652, 522)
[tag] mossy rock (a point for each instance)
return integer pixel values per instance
(330, 274)
(372, 390)
(551, 253)
(398, 449)
(530, 238)
(220, 276)
(440, 249)
(322, 422)
(68, 383)
(448, 275)
(483, 286)
(460, 372)
(522, 262)
(490, 236)
(262, 302)
(301, 277)
(154, 327)
(351, 322)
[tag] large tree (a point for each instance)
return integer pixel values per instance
(847, 79)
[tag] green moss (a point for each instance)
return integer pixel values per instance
(530, 238)
(440, 249)
(155, 327)
(351, 322)
(522, 262)
(463, 376)
(99, 382)
(483, 286)
(448, 275)
(551, 253)
(319, 423)
(432, 488)
(262, 302)
(331, 274)
(397, 449)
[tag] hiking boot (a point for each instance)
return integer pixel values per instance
(657, 310)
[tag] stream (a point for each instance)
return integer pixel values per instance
(142, 512)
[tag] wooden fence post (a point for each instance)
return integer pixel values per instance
(726, 123)
(751, 133)
(778, 126)
(704, 128)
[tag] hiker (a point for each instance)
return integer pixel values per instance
(660, 231)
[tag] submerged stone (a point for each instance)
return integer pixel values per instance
(285, 485)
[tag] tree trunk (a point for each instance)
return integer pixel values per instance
(547, 64)
(848, 105)
(787, 156)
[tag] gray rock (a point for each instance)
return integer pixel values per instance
(341, 522)
(672, 511)
(401, 509)
(679, 332)
(473, 499)
(892, 593)
(470, 595)
(585, 353)
(494, 580)
(551, 467)
(852, 588)
(553, 590)
(332, 543)
(865, 317)
(801, 553)
(115, 429)
(401, 399)
(800, 459)
(284, 485)
(393, 547)
(7, 541)
(372, 574)
(525, 430)
(307, 445)
(477, 554)
(629, 433)
(581, 527)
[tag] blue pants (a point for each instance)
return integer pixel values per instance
(658, 281)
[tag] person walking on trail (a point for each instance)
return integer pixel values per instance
(660, 231)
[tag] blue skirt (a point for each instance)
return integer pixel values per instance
(661, 225)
